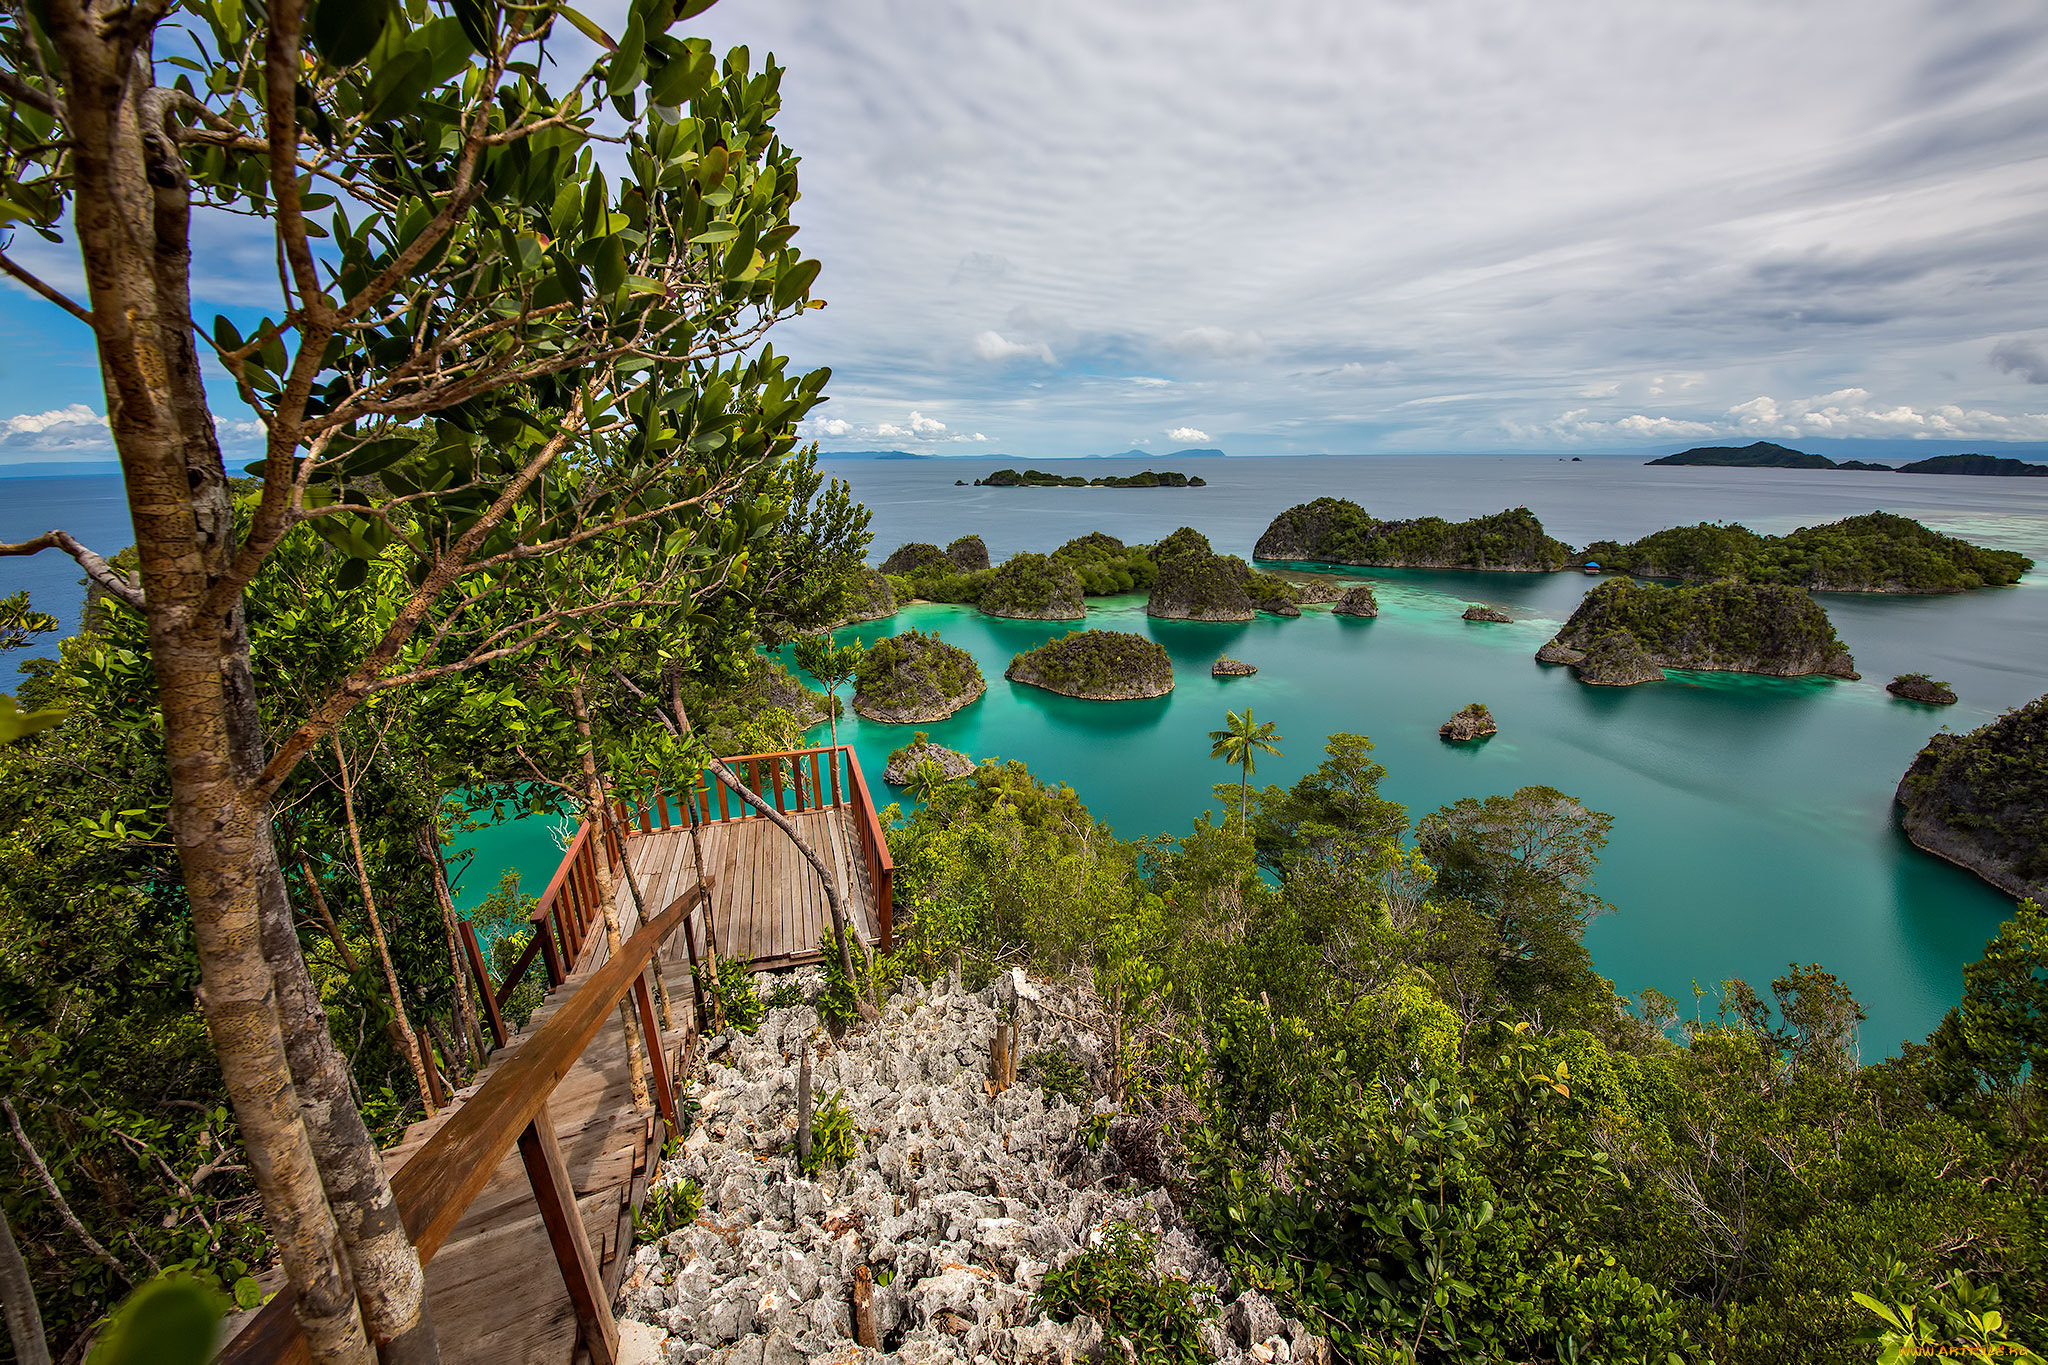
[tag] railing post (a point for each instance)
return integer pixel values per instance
(483, 982)
(556, 1195)
(886, 894)
(435, 1092)
(835, 777)
(657, 1063)
(554, 943)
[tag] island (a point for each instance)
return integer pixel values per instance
(1314, 590)
(1989, 466)
(917, 557)
(1038, 478)
(1106, 565)
(1033, 587)
(967, 554)
(1096, 665)
(1721, 626)
(1338, 531)
(1877, 552)
(1918, 687)
(1756, 455)
(1480, 612)
(1193, 583)
(1474, 722)
(905, 761)
(915, 677)
(1981, 800)
(1227, 667)
(1357, 601)
(869, 596)
(922, 571)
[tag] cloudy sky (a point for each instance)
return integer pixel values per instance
(1080, 226)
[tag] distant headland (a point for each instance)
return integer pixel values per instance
(1770, 455)
(1038, 478)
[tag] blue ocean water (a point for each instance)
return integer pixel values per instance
(1753, 817)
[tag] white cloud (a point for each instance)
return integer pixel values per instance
(1146, 381)
(74, 429)
(927, 427)
(891, 429)
(1854, 412)
(1187, 434)
(830, 426)
(1580, 425)
(994, 348)
(1216, 341)
(1606, 388)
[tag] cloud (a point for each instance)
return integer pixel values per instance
(927, 427)
(1187, 434)
(992, 347)
(1855, 412)
(1146, 381)
(1215, 341)
(74, 429)
(1581, 425)
(2021, 357)
(830, 426)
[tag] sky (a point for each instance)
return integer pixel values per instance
(1084, 226)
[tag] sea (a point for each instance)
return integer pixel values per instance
(1754, 826)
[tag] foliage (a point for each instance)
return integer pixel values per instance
(915, 671)
(1877, 552)
(1240, 742)
(1115, 1283)
(171, 1320)
(669, 1207)
(839, 1005)
(1991, 787)
(1096, 663)
(1957, 1320)
(786, 993)
(1034, 587)
(1197, 585)
(834, 1139)
(923, 570)
(1338, 531)
(1721, 624)
(1055, 1071)
(736, 996)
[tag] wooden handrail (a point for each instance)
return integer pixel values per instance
(881, 869)
(436, 1187)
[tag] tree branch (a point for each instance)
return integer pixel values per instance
(49, 292)
(95, 567)
(35, 1159)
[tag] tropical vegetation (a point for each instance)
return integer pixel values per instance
(1877, 552)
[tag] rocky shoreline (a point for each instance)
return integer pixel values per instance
(1096, 665)
(946, 1221)
(1978, 800)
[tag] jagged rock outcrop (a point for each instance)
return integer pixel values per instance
(1227, 667)
(1096, 665)
(915, 677)
(1032, 587)
(1981, 800)
(1338, 531)
(1921, 688)
(1479, 612)
(1721, 626)
(1473, 722)
(918, 556)
(870, 598)
(968, 554)
(1317, 592)
(953, 1209)
(1358, 601)
(905, 761)
(1200, 587)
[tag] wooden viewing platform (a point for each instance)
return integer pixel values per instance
(486, 1186)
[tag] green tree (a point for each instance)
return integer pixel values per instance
(487, 351)
(834, 665)
(1240, 742)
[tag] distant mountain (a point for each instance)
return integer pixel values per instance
(1995, 466)
(873, 455)
(1190, 454)
(61, 469)
(1760, 455)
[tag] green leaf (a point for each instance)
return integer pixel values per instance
(1878, 1308)
(609, 269)
(629, 62)
(248, 1293)
(168, 1321)
(588, 29)
(16, 723)
(344, 31)
(795, 282)
(479, 20)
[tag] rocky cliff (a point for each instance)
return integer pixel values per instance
(1728, 627)
(1981, 800)
(869, 598)
(1358, 601)
(1030, 587)
(1200, 586)
(904, 761)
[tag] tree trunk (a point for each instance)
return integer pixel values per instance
(325, 915)
(640, 907)
(18, 1297)
(458, 968)
(607, 886)
(408, 1041)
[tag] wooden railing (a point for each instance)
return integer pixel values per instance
(451, 1169)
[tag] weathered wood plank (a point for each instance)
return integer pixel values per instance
(569, 1238)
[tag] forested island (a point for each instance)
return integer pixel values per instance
(1877, 552)
(1624, 632)
(1038, 478)
(1029, 587)
(1770, 455)
(1338, 531)
(914, 677)
(1981, 800)
(1096, 665)
(1986, 466)
(1194, 583)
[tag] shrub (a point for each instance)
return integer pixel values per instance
(668, 1208)
(834, 1141)
(1095, 663)
(1057, 1073)
(735, 997)
(1116, 1285)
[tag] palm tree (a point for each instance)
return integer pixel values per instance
(927, 779)
(1238, 742)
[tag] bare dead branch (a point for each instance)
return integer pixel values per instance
(95, 567)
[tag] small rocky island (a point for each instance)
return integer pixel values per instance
(1193, 583)
(868, 598)
(916, 557)
(1921, 688)
(1096, 665)
(1358, 601)
(1033, 587)
(1756, 455)
(1480, 612)
(1981, 800)
(1038, 478)
(1877, 552)
(904, 761)
(1472, 723)
(1338, 531)
(1987, 466)
(915, 677)
(967, 554)
(1624, 632)
(1227, 667)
